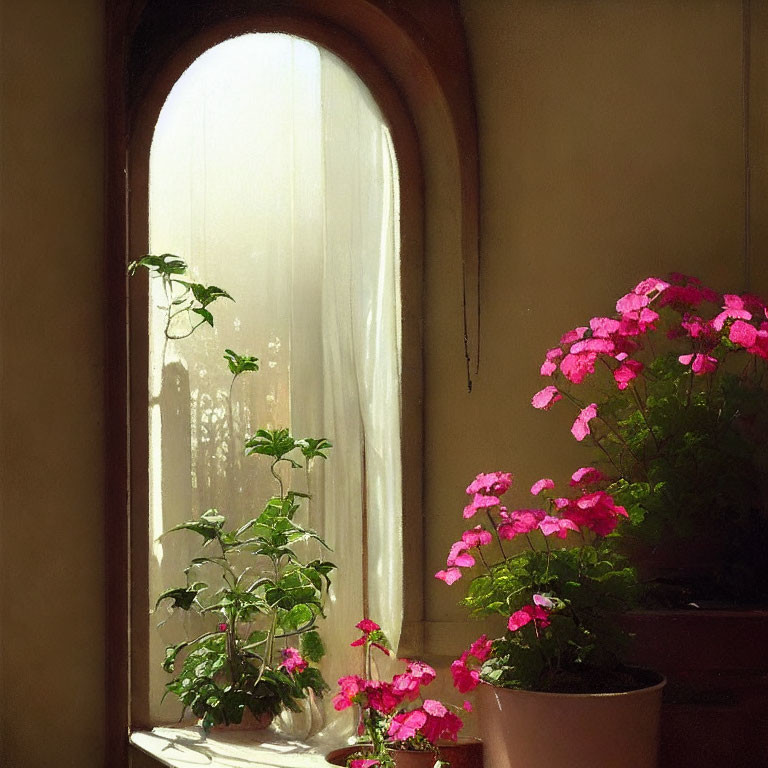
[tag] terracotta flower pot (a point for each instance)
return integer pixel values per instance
(465, 753)
(529, 729)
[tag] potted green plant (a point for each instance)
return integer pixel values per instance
(670, 391)
(261, 598)
(550, 685)
(397, 726)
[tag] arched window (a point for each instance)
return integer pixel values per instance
(272, 172)
(413, 60)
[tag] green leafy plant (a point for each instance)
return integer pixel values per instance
(265, 600)
(670, 392)
(562, 599)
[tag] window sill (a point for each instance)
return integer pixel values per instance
(187, 747)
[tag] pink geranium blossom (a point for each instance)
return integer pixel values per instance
(477, 537)
(364, 763)
(576, 368)
(626, 372)
(545, 483)
(490, 484)
(445, 726)
(459, 556)
(586, 476)
(464, 678)
(543, 602)
(603, 327)
(449, 576)
(743, 333)
(574, 335)
(580, 428)
(293, 661)
(351, 686)
(480, 502)
(406, 724)
(481, 648)
(527, 614)
(544, 399)
(700, 363)
(557, 525)
(520, 521)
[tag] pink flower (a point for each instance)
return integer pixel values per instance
(586, 476)
(223, 627)
(690, 295)
(434, 708)
(408, 684)
(576, 368)
(449, 576)
(293, 661)
(467, 705)
(549, 366)
(557, 525)
(627, 371)
(490, 484)
(701, 363)
(444, 726)
(406, 724)
(650, 285)
(381, 696)
(480, 502)
(631, 302)
(596, 511)
(543, 602)
(363, 763)
(743, 333)
(594, 345)
(458, 556)
(481, 648)
(540, 485)
(477, 537)
(574, 335)
(367, 626)
(464, 678)
(544, 399)
(733, 309)
(527, 614)
(351, 687)
(580, 428)
(603, 327)
(520, 521)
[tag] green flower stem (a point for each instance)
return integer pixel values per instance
(277, 477)
(496, 532)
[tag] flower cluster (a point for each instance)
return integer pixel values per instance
(393, 712)
(617, 343)
(592, 510)
(671, 392)
(552, 592)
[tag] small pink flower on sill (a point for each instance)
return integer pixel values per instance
(480, 502)
(580, 428)
(627, 371)
(406, 725)
(464, 678)
(477, 537)
(586, 476)
(364, 763)
(458, 556)
(557, 525)
(467, 705)
(544, 399)
(544, 484)
(449, 576)
(700, 363)
(527, 614)
(481, 648)
(490, 484)
(367, 626)
(223, 627)
(293, 661)
(350, 687)
(575, 335)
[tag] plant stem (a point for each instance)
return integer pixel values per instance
(496, 531)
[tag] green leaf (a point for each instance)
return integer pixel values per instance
(311, 646)
(166, 264)
(240, 363)
(205, 314)
(275, 443)
(182, 597)
(313, 447)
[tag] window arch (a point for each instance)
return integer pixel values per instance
(414, 62)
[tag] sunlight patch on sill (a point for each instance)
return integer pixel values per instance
(189, 747)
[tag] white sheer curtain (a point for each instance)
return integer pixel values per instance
(272, 173)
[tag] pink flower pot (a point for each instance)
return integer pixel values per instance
(529, 729)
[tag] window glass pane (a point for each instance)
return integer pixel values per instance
(272, 173)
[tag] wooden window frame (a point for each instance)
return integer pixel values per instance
(422, 86)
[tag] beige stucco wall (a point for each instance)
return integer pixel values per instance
(611, 148)
(51, 409)
(610, 139)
